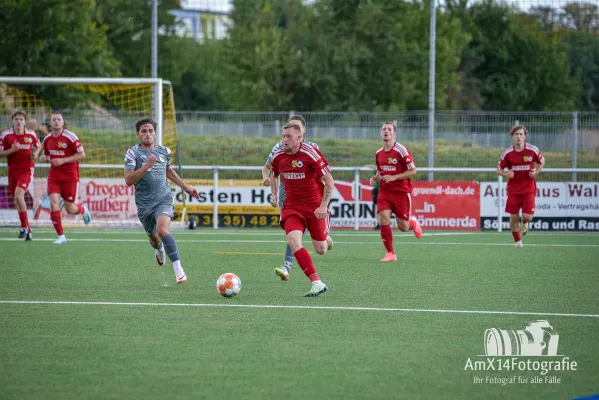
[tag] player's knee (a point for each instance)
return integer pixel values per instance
(403, 226)
(384, 220)
(321, 247)
(162, 231)
(526, 218)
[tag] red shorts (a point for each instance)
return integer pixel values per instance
(400, 203)
(524, 201)
(19, 178)
(68, 190)
(295, 220)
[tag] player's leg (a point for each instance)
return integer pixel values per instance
(403, 208)
(512, 207)
(163, 223)
(528, 210)
(319, 231)
(383, 209)
(294, 226)
(17, 187)
(283, 270)
(54, 192)
(69, 194)
(21, 207)
(149, 224)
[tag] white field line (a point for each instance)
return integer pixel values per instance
(279, 233)
(267, 306)
(420, 243)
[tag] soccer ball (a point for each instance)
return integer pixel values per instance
(228, 284)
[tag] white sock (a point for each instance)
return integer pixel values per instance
(62, 237)
(176, 265)
(316, 282)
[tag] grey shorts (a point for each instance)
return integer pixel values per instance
(149, 220)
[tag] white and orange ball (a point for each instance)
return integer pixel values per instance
(228, 284)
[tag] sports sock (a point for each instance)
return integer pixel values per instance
(170, 246)
(24, 219)
(305, 262)
(157, 246)
(57, 222)
(516, 236)
(387, 237)
(288, 256)
(80, 209)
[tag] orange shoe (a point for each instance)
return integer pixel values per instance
(389, 257)
(417, 228)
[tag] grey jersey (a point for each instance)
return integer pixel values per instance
(152, 189)
(276, 148)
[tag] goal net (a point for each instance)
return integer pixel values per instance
(102, 112)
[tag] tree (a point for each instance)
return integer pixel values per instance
(513, 64)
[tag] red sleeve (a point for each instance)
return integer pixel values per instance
(503, 163)
(36, 140)
(539, 158)
(321, 166)
(76, 146)
(275, 168)
(408, 161)
(45, 144)
(1, 144)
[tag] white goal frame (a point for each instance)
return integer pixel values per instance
(157, 90)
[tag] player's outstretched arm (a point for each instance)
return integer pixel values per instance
(172, 175)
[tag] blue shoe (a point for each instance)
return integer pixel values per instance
(87, 216)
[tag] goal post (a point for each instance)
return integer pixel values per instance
(104, 120)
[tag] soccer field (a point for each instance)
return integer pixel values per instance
(97, 319)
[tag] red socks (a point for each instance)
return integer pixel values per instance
(80, 209)
(24, 219)
(305, 262)
(57, 222)
(516, 236)
(387, 237)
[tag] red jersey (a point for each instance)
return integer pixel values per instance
(521, 162)
(65, 145)
(301, 174)
(20, 160)
(394, 162)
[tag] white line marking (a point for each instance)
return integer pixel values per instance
(248, 232)
(421, 243)
(422, 310)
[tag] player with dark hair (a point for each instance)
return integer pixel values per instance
(18, 144)
(148, 167)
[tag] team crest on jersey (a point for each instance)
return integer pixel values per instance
(297, 164)
(527, 158)
(28, 140)
(62, 145)
(162, 159)
(392, 160)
